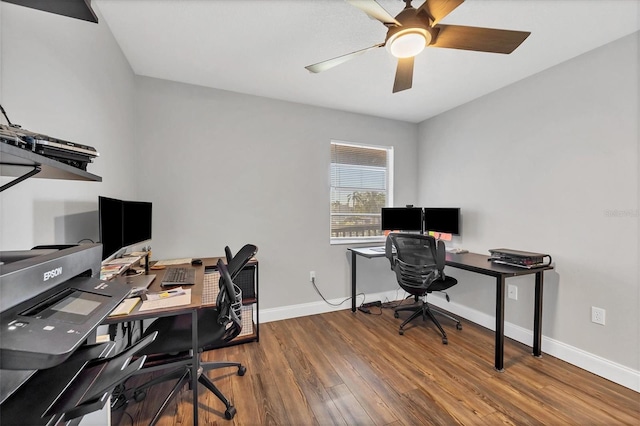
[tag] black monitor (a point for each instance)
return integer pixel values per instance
(401, 219)
(110, 225)
(445, 220)
(136, 223)
(122, 224)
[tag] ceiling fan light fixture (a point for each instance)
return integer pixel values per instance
(409, 42)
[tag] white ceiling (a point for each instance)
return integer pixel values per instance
(261, 47)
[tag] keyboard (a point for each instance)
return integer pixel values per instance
(179, 276)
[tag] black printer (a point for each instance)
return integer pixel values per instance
(51, 302)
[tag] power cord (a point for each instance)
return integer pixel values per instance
(388, 304)
(7, 118)
(313, 283)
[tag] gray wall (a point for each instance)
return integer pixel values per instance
(68, 79)
(226, 169)
(550, 164)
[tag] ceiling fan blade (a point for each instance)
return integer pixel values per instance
(373, 9)
(478, 39)
(438, 9)
(330, 63)
(404, 74)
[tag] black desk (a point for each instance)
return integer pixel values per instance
(480, 264)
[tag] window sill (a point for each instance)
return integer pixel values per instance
(373, 240)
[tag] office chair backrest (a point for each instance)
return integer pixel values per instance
(229, 304)
(416, 249)
(418, 261)
(236, 263)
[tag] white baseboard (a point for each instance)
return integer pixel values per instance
(595, 364)
(320, 307)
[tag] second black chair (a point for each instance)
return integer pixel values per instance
(216, 326)
(418, 261)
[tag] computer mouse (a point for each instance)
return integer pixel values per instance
(196, 262)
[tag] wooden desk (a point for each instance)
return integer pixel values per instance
(201, 297)
(480, 264)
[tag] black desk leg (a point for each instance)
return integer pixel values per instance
(195, 365)
(499, 359)
(537, 316)
(353, 281)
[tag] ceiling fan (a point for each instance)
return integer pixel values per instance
(414, 29)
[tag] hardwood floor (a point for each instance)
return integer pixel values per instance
(344, 369)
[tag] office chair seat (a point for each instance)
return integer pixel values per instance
(176, 332)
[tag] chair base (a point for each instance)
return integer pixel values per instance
(184, 376)
(423, 310)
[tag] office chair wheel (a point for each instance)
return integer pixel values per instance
(139, 395)
(241, 370)
(401, 332)
(445, 341)
(396, 315)
(458, 326)
(230, 412)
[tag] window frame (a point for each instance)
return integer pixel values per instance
(388, 197)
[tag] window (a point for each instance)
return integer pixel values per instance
(361, 182)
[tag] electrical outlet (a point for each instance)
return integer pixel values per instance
(597, 315)
(512, 292)
(312, 276)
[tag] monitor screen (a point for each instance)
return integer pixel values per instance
(442, 219)
(136, 223)
(110, 225)
(401, 219)
(122, 224)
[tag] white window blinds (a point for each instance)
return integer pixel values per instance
(360, 187)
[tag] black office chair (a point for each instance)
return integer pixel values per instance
(418, 262)
(216, 326)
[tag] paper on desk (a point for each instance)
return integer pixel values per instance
(167, 302)
(174, 292)
(172, 262)
(125, 307)
(125, 260)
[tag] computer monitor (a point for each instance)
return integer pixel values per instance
(110, 225)
(401, 219)
(122, 224)
(136, 222)
(445, 220)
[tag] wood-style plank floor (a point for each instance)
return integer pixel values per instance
(341, 368)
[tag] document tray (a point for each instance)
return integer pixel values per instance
(76, 387)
